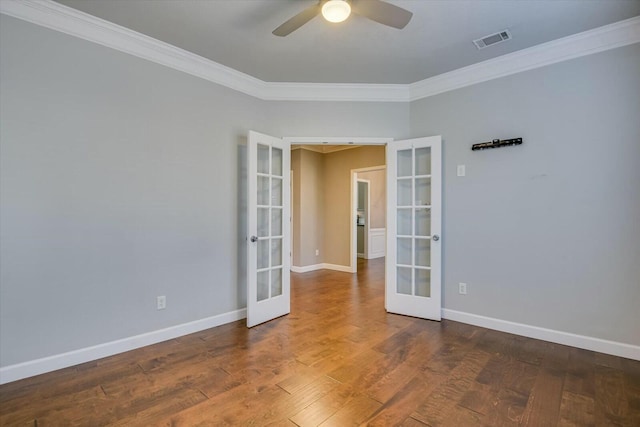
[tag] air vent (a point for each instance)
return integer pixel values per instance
(487, 41)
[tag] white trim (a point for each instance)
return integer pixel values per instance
(336, 140)
(56, 16)
(353, 232)
(324, 149)
(70, 21)
(367, 219)
(377, 235)
(580, 341)
(58, 361)
(336, 267)
(306, 268)
(586, 43)
(321, 266)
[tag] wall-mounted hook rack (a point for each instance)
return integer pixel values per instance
(496, 143)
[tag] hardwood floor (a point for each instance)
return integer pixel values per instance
(337, 360)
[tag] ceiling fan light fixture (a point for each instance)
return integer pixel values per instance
(336, 10)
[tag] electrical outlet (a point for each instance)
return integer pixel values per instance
(161, 302)
(462, 170)
(462, 288)
(317, 252)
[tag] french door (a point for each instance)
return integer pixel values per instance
(413, 261)
(268, 284)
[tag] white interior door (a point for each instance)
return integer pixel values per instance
(268, 287)
(413, 263)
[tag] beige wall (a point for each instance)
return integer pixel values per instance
(337, 200)
(377, 196)
(308, 196)
(295, 206)
(322, 202)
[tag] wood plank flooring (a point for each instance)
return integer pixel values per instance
(337, 360)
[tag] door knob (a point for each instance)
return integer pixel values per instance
(435, 238)
(253, 239)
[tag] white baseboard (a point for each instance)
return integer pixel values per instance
(306, 268)
(360, 255)
(64, 360)
(336, 267)
(581, 341)
(322, 266)
(51, 363)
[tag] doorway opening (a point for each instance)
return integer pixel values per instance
(363, 218)
(413, 212)
(369, 206)
(324, 220)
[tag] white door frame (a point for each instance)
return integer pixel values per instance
(332, 140)
(290, 214)
(367, 204)
(354, 207)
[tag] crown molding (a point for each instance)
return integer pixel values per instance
(58, 17)
(324, 149)
(335, 140)
(586, 43)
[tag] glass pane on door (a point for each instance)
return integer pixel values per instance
(404, 162)
(423, 222)
(404, 251)
(276, 252)
(269, 222)
(263, 254)
(276, 162)
(403, 281)
(404, 192)
(423, 282)
(423, 161)
(423, 252)
(263, 222)
(263, 285)
(263, 158)
(276, 191)
(404, 222)
(423, 191)
(276, 221)
(413, 222)
(276, 282)
(263, 190)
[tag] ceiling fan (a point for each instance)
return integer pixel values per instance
(339, 10)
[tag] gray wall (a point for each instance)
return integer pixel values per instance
(122, 180)
(340, 119)
(119, 183)
(546, 233)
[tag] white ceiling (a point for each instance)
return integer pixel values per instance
(237, 33)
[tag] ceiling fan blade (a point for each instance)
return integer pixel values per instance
(297, 21)
(382, 12)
